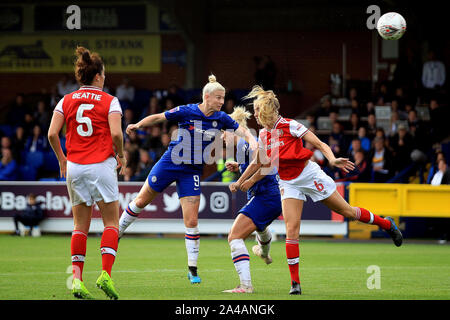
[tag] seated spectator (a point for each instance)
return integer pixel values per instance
(356, 108)
(28, 124)
(370, 108)
(36, 142)
(333, 116)
(354, 124)
(17, 111)
(66, 85)
(371, 126)
(144, 166)
(393, 127)
(402, 146)
(365, 141)
(381, 161)
(125, 93)
(311, 120)
(152, 141)
(18, 143)
(438, 118)
(229, 106)
(42, 115)
(173, 94)
(361, 173)
(31, 216)
(128, 118)
(153, 107)
(325, 107)
(8, 166)
(435, 164)
(354, 147)
(443, 175)
(338, 134)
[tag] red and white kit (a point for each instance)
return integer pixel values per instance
(91, 174)
(298, 176)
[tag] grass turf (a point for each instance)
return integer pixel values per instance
(155, 268)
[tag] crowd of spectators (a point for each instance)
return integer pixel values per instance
(384, 132)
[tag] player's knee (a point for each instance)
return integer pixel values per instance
(191, 222)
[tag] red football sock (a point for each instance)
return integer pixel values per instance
(108, 247)
(293, 254)
(78, 252)
(366, 216)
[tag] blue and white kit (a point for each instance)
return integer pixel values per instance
(264, 199)
(183, 161)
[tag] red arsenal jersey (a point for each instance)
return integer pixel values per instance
(283, 144)
(88, 136)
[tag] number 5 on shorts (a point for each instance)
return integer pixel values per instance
(319, 186)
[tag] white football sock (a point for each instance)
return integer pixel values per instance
(241, 260)
(129, 215)
(192, 241)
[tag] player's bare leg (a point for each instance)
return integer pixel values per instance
(242, 227)
(336, 203)
(292, 212)
(131, 213)
(82, 220)
(189, 206)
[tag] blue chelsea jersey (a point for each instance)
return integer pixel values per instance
(267, 184)
(195, 133)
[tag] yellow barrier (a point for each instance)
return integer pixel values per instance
(405, 200)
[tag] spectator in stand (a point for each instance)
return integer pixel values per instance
(361, 173)
(337, 133)
(128, 118)
(144, 166)
(419, 131)
(28, 124)
(37, 141)
(393, 127)
(174, 96)
(381, 161)
(433, 76)
(399, 97)
(402, 146)
(325, 107)
(354, 147)
(354, 104)
(165, 140)
(265, 73)
(354, 124)
(31, 216)
(153, 107)
(333, 116)
(125, 94)
(365, 142)
(438, 119)
(371, 126)
(42, 115)
(17, 111)
(435, 164)
(382, 96)
(443, 175)
(18, 143)
(8, 166)
(370, 109)
(66, 85)
(229, 106)
(153, 142)
(311, 120)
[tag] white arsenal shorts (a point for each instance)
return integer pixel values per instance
(89, 183)
(312, 182)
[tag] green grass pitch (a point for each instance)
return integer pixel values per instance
(155, 268)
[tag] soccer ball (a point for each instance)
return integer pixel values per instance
(391, 26)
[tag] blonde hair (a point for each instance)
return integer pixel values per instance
(268, 104)
(241, 116)
(212, 86)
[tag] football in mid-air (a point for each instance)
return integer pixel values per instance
(391, 26)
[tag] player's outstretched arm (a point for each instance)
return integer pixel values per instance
(53, 138)
(147, 122)
(254, 165)
(342, 163)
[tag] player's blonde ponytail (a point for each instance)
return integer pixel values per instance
(268, 104)
(211, 86)
(241, 116)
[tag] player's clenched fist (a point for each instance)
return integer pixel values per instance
(234, 187)
(232, 166)
(131, 127)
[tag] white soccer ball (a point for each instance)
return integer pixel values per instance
(391, 26)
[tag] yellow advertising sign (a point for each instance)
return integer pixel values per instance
(55, 53)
